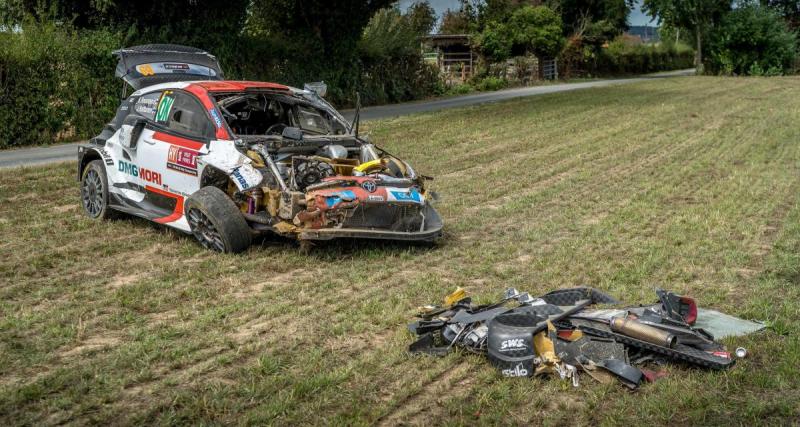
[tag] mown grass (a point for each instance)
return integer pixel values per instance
(689, 184)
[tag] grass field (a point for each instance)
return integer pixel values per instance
(691, 184)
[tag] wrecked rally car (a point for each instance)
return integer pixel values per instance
(229, 160)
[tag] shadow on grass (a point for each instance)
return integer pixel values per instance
(325, 250)
(337, 249)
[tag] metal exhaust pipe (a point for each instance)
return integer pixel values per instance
(643, 332)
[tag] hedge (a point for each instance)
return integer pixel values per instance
(55, 85)
(621, 58)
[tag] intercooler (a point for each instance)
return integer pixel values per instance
(395, 217)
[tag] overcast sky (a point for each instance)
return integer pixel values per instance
(636, 17)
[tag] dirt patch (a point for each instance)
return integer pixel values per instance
(163, 316)
(595, 219)
(358, 343)
(124, 280)
(274, 328)
(64, 208)
(91, 344)
(746, 273)
(23, 196)
(279, 280)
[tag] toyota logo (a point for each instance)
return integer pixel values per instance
(369, 186)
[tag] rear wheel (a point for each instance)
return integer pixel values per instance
(94, 191)
(216, 221)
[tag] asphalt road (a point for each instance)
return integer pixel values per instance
(65, 152)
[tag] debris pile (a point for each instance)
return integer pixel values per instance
(579, 329)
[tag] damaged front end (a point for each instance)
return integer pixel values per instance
(374, 206)
(320, 179)
(344, 187)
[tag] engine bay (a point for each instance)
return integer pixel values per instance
(317, 175)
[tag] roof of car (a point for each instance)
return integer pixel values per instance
(215, 86)
(234, 85)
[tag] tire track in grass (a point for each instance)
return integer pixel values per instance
(414, 402)
(621, 173)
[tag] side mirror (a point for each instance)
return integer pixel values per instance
(292, 133)
(137, 124)
(320, 88)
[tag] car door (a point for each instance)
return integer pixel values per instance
(166, 154)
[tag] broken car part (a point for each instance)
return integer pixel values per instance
(558, 333)
(643, 332)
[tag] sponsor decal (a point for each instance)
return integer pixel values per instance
(336, 198)
(182, 160)
(145, 69)
(411, 195)
(106, 157)
(176, 66)
(155, 68)
(241, 179)
(141, 173)
(513, 344)
(518, 371)
(164, 107)
(369, 186)
(246, 177)
(215, 116)
(374, 198)
(146, 106)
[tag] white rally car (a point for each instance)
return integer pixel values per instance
(228, 160)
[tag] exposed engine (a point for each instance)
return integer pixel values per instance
(317, 177)
(309, 171)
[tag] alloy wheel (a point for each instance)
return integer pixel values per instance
(204, 230)
(92, 193)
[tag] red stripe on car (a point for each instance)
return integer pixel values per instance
(176, 140)
(177, 213)
(202, 94)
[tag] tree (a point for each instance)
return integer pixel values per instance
(392, 34)
(752, 39)
(421, 18)
(698, 16)
(788, 9)
(326, 30)
(464, 20)
(203, 23)
(496, 41)
(535, 30)
(609, 14)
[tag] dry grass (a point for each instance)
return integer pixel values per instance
(690, 184)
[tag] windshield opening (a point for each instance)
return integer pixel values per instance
(270, 113)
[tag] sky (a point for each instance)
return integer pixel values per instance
(637, 17)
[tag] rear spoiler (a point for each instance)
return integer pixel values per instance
(147, 65)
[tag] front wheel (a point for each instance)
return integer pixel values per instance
(94, 191)
(216, 222)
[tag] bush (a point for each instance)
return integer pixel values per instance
(491, 83)
(56, 84)
(630, 58)
(752, 40)
(460, 89)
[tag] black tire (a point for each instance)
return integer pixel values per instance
(94, 191)
(216, 221)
